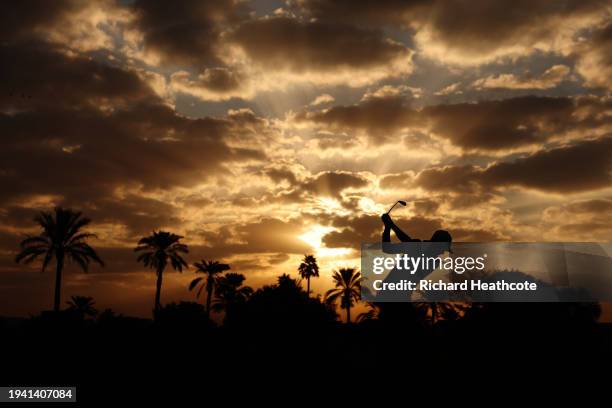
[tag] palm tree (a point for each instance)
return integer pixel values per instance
(347, 290)
(371, 314)
(287, 283)
(211, 269)
(230, 291)
(155, 252)
(82, 305)
(61, 238)
(437, 310)
(307, 269)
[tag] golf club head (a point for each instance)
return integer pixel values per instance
(403, 203)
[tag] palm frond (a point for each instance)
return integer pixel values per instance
(195, 282)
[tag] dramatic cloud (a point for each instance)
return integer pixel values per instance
(453, 32)
(72, 81)
(472, 32)
(379, 118)
(486, 125)
(333, 183)
(214, 84)
(508, 123)
(380, 12)
(187, 32)
(96, 137)
(77, 25)
(587, 220)
(595, 58)
(322, 52)
(20, 19)
(550, 78)
(397, 181)
(578, 167)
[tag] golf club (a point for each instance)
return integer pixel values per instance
(403, 203)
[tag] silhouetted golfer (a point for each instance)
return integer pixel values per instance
(425, 249)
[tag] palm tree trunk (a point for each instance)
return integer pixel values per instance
(348, 314)
(160, 271)
(58, 281)
(209, 293)
(308, 286)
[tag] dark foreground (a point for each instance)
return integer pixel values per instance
(182, 354)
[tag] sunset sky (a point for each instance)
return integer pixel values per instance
(265, 130)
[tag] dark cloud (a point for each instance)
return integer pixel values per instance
(219, 79)
(280, 174)
(484, 125)
(213, 84)
(122, 148)
(599, 205)
(140, 215)
(586, 219)
(283, 42)
(397, 181)
(352, 231)
(581, 166)
(379, 12)
(90, 129)
(491, 125)
(21, 20)
(380, 118)
(70, 81)
(461, 179)
(461, 30)
(426, 206)
(333, 183)
(186, 32)
(482, 27)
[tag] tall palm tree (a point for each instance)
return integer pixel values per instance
(211, 269)
(230, 291)
(61, 239)
(82, 305)
(155, 252)
(347, 290)
(307, 269)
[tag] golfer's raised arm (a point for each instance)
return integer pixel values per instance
(387, 246)
(390, 226)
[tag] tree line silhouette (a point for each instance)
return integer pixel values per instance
(62, 238)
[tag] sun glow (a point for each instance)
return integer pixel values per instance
(314, 237)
